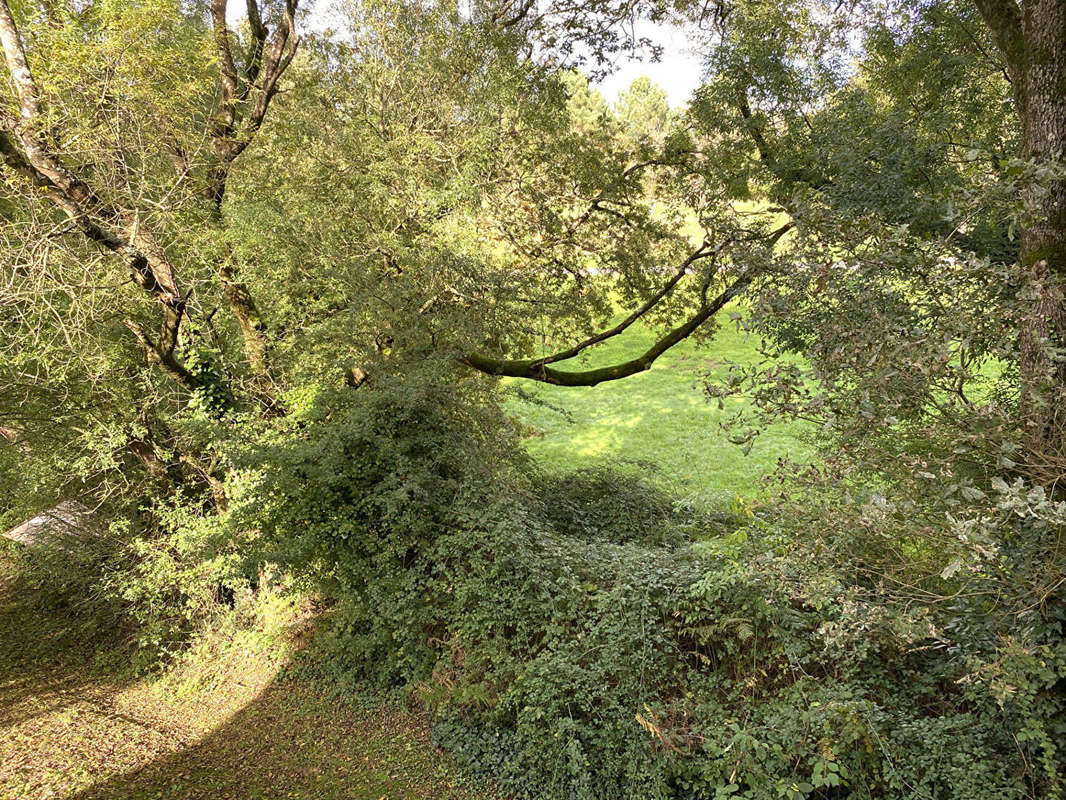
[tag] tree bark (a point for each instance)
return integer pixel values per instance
(538, 370)
(1043, 235)
(244, 101)
(1032, 40)
(253, 330)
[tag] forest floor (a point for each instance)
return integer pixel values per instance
(238, 729)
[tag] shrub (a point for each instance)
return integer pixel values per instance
(586, 637)
(593, 662)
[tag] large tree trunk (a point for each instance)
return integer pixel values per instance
(245, 98)
(1032, 40)
(1043, 236)
(253, 331)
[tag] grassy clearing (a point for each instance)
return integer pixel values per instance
(661, 417)
(71, 726)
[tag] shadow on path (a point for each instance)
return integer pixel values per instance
(47, 659)
(70, 729)
(295, 742)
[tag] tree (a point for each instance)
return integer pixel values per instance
(644, 112)
(407, 197)
(146, 192)
(117, 153)
(118, 226)
(888, 134)
(1031, 39)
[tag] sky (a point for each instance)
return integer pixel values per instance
(677, 72)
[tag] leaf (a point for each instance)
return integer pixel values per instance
(952, 568)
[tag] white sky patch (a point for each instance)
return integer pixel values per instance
(314, 16)
(678, 72)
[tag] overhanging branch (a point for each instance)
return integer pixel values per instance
(703, 252)
(538, 370)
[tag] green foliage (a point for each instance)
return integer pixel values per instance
(565, 667)
(586, 636)
(180, 580)
(889, 625)
(212, 395)
(607, 505)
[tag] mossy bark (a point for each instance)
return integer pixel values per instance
(1032, 41)
(1043, 235)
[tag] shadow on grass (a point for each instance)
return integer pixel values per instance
(293, 741)
(71, 727)
(47, 656)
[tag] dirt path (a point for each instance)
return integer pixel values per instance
(70, 730)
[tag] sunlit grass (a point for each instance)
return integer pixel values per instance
(661, 417)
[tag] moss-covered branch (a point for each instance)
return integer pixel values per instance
(538, 369)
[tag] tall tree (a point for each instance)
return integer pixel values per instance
(119, 225)
(120, 133)
(1031, 38)
(874, 117)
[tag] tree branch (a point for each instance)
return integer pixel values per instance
(702, 252)
(254, 59)
(537, 368)
(231, 136)
(21, 78)
(162, 354)
(276, 61)
(227, 76)
(766, 152)
(145, 259)
(1004, 20)
(532, 370)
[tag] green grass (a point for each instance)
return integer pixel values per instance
(661, 416)
(75, 725)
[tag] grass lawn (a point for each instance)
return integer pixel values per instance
(238, 729)
(660, 416)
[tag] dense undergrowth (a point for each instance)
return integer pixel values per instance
(584, 635)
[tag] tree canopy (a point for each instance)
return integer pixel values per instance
(259, 285)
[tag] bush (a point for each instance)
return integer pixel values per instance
(572, 642)
(613, 504)
(586, 637)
